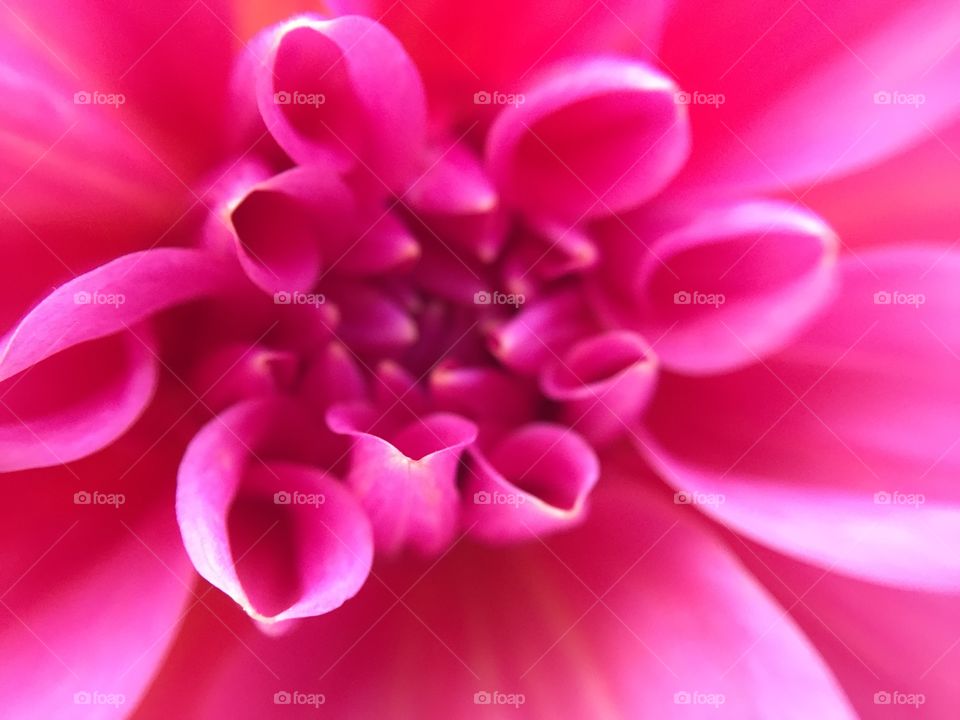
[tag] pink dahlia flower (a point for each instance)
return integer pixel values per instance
(426, 360)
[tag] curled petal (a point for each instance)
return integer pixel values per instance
(371, 320)
(282, 538)
(734, 284)
(380, 244)
(407, 480)
(281, 225)
(109, 299)
(534, 481)
(343, 92)
(603, 383)
(541, 332)
(76, 402)
(637, 135)
(238, 372)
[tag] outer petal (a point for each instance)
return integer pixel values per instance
(624, 112)
(811, 89)
(452, 42)
(842, 450)
(94, 578)
(677, 618)
(732, 283)
(282, 538)
(148, 53)
(895, 651)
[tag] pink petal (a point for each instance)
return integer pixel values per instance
(732, 284)
(109, 299)
(343, 92)
(638, 140)
(443, 39)
(174, 100)
(536, 480)
(283, 539)
(76, 402)
(799, 84)
(884, 644)
(603, 383)
(282, 225)
(406, 481)
(92, 591)
(678, 614)
(842, 449)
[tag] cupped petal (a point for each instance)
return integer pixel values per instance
(541, 331)
(639, 612)
(602, 383)
(76, 402)
(406, 479)
(282, 538)
(461, 70)
(94, 577)
(284, 226)
(842, 449)
(794, 93)
(343, 92)
(592, 139)
(534, 481)
(732, 284)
